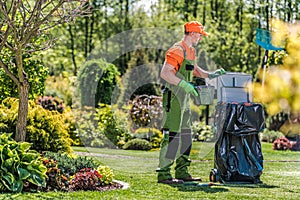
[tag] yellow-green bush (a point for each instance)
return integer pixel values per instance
(107, 175)
(61, 86)
(47, 130)
(112, 123)
(137, 144)
(153, 135)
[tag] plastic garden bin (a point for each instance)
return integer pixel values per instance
(206, 95)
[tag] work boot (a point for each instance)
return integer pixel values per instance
(171, 181)
(181, 168)
(190, 178)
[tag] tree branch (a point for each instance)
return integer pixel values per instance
(47, 46)
(68, 15)
(11, 75)
(11, 21)
(35, 12)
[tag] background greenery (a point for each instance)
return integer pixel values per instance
(231, 25)
(132, 37)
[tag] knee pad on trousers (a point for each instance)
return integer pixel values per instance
(173, 145)
(186, 142)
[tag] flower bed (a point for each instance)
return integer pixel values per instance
(26, 170)
(69, 174)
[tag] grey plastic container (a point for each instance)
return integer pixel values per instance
(206, 95)
(234, 87)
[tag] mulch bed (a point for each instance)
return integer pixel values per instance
(112, 186)
(115, 185)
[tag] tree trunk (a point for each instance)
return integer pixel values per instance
(267, 15)
(22, 112)
(204, 13)
(73, 49)
(212, 9)
(91, 45)
(289, 11)
(186, 10)
(86, 37)
(195, 9)
(23, 87)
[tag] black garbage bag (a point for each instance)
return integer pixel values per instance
(238, 155)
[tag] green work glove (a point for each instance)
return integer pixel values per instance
(189, 88)
(216, 73)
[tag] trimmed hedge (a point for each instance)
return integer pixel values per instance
(97, 80)
(137, 144)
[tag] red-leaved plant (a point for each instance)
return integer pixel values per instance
(285, 144)
(86, 179)
(281, 144)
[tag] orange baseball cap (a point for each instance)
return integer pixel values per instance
(194, 26)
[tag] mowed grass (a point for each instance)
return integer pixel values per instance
(281, 177)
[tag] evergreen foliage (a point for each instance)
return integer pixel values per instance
(137, 144)
(97, 80)
(70, 165)
(46, 130)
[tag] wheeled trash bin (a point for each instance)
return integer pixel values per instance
(237, 121)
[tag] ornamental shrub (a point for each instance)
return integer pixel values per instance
(86, 179)
(202, 132)
(55, 181)
(152, 135)
(51, 103)
(112, 123)
(46, 130)
(282, 144)
(97, 80)
(137, 144)
(101, 127)
(146, 111)
(70, 165)
(270, 135)
(61, 86)
(107, 175)
(19, 165)
(36, 74)
(87, 132)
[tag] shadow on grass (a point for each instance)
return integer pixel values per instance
(190, 187)
(216, 187)
(260, 185)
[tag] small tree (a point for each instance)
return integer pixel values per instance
(24, 29)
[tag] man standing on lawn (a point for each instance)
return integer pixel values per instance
(178, 70)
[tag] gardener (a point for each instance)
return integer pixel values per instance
(178, 70)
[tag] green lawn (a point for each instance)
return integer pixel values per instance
(281, 177)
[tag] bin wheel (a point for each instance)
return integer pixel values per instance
(214, 175)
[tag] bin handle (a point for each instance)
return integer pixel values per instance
(252, 157)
